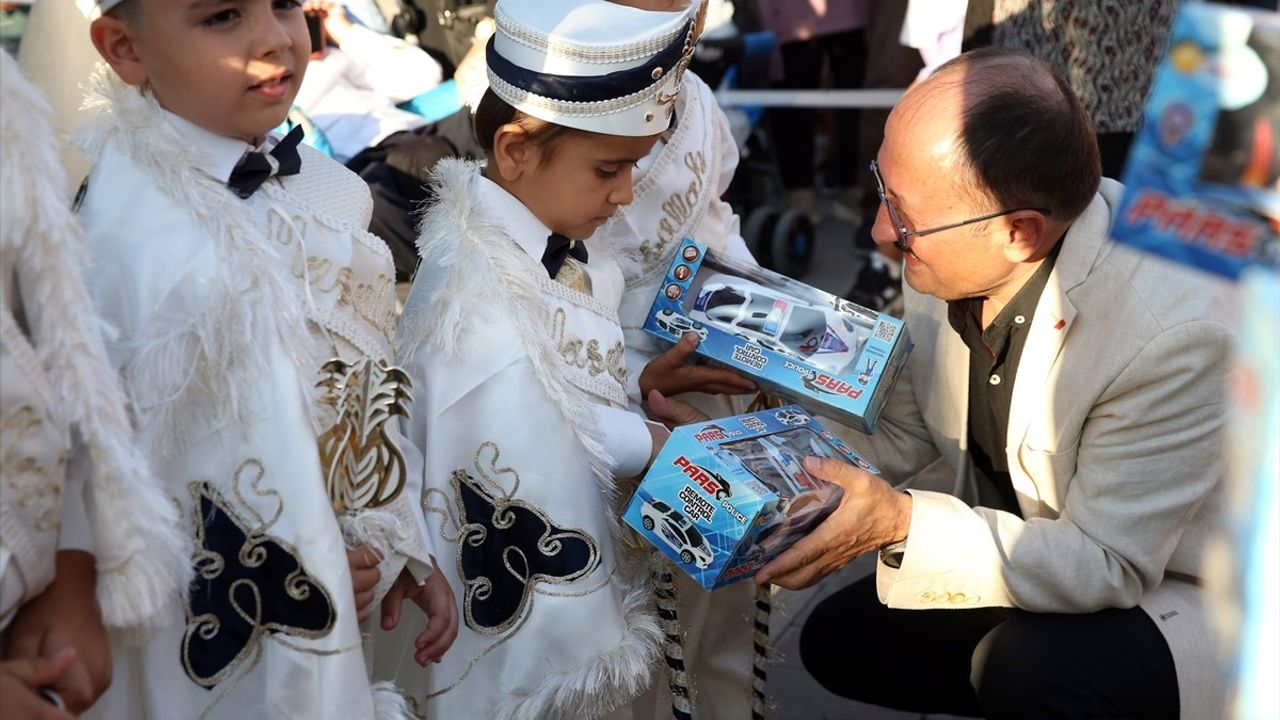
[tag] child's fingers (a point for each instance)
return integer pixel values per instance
(391, 604)
(35, 672)
(362, 556)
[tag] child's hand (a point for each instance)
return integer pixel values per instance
(65, 617)
(20, 683)
(435, 598)
(672, 412)
(363, 561)
(671, 374)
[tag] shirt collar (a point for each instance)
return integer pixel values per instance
(216, 154)
(520, 224)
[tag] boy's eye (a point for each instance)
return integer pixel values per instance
(222, 17)
(607, 174)
(286, 4)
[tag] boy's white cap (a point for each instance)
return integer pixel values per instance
(590, 64)
(105, 5)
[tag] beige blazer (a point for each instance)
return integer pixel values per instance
(1113, 449)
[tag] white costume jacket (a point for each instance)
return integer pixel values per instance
(518, 407)
(224, 312)
(1114, 450)
(54, 376)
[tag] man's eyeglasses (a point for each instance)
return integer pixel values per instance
(900, 227)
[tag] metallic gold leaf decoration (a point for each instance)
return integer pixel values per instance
(362, 465)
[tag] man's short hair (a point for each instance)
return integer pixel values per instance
(1026, 137)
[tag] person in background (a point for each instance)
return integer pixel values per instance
(353, 91)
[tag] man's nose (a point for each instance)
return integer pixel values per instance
(882, 231)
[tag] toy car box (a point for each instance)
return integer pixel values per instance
(824, 352)
(726, 496)
(1202, 180)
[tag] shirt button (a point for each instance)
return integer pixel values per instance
(994, 379)
(1020, 319)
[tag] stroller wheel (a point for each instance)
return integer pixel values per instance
(757, 233)
(791, 244)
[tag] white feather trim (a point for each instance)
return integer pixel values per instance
(609, 681)
(187, 377)
(389, 703)
(143, 558)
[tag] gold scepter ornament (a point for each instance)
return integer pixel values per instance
(363, 467)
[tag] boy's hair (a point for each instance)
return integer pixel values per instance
(493, 112)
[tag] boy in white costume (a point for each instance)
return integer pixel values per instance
(54, 376)
(253, 321)
(511, 335)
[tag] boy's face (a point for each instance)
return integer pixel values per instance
(577, 183)
(230, 66)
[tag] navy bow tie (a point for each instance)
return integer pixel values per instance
(560, 247)
(257, 167)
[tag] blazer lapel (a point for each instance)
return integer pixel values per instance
(1049, 329)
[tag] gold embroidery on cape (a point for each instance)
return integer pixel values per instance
(33, 486)
(573, 276)
(585, 354)
(454, 529)
(373, 302)
(209, 565)
(363, 467)
(677, 209)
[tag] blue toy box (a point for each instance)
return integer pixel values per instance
(724, 497)
(1203, 176)
(824, 352)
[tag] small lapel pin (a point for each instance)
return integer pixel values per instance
(1060, 324)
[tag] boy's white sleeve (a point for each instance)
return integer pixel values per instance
(388, 65)
(75, 532)
(626, 439)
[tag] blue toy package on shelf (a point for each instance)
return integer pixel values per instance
(726, 496)
(835, 358)
(1203, 176)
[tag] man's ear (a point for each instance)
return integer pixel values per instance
(512, 151)
(1028, 236)
(117, 43)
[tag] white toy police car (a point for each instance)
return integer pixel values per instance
(824, 337)
(678, 325)
(677, 532)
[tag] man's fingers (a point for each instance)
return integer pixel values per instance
(837, 472)
(787, 567)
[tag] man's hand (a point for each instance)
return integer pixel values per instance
(20, 683)
(435, 598)
(672, 413)
(363, 561)
(65, 617)
(871, 515)
(671, 374)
